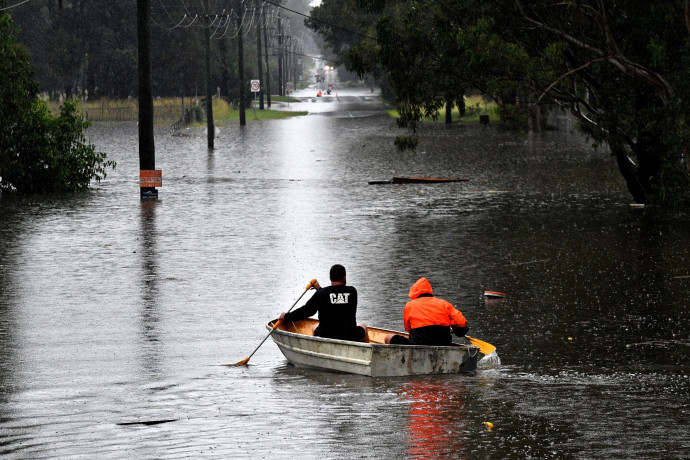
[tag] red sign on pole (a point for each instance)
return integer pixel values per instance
(150, 178)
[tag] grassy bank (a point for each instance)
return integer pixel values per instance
(168, 110)
(224, 113)
(474, 107)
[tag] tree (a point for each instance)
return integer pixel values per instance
(39, 152)
(409, 45)
(618, 66)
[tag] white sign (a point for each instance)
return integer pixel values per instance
(256, 86)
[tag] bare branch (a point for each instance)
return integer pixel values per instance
(615, 58)
(555, 82)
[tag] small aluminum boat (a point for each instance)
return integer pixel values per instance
(373, 358)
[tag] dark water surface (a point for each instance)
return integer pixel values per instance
(117, 316)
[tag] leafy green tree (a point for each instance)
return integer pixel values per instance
(39, 152)
(620, 67)
(409, 45)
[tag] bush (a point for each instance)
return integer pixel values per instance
(39, 152)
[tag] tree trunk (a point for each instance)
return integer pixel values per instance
(630, 173)
(280, 57)
(461, 105)
(268, 72)
(534, 119)
(240, 62)
(449, 111)
(260, 63)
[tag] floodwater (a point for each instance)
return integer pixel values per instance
(118, 317)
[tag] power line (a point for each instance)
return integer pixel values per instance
(274, 48)
(13, 6)
(189, 14)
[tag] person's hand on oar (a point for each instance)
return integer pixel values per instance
(312, 284)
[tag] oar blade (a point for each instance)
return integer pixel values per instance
(485, 347)
(242, 363)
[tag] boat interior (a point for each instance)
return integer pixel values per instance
(306, 327)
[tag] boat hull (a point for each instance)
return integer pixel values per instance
(375, 359)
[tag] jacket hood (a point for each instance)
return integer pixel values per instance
(422, 286)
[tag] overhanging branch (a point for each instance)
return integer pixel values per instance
(613, 56)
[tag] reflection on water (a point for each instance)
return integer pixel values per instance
(435, 418)
(149, 285)
(115, 312)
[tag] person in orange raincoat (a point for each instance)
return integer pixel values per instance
(429, 319)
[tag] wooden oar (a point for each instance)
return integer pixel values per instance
(485, 347)
(275, 325)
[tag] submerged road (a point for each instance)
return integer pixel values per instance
(118, 317)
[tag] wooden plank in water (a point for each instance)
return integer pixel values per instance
(420, 180)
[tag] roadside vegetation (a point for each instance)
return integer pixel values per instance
(224, 113)
(619, 68)
(475, 106)
(39, 151)
(169, 110)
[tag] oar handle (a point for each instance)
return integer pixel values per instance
(275, 325)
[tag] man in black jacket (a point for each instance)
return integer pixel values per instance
(337, 308)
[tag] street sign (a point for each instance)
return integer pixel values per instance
(150, 178)
(256, 86)
(289, 86)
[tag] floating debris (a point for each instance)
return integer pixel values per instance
(148, 422)
(416, 180)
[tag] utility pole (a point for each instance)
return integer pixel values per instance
(295, 64)
(288, 57)
(240, 61)
(147, 149)
(280, 56)
(268, 73)
(258, 53)
(210, 128)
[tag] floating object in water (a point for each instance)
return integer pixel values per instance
(417, 180)
(488, 425)
(148, 422)
(494, 294)
(420, 180)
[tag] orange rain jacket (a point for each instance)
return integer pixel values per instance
(429, 311)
